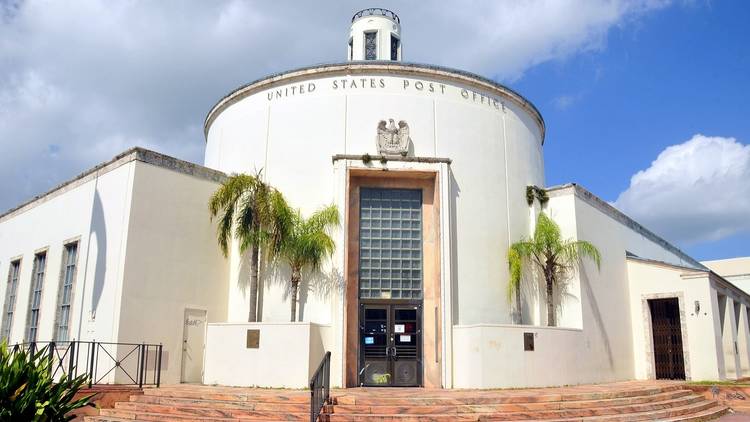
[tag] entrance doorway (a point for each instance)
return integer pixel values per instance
(390, 346)
(666, 327)
(390, 287)
(193, 341)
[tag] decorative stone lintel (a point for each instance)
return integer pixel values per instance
(362, 157)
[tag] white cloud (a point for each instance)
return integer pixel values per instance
(81, 81)
(564, 102)
(693, 192)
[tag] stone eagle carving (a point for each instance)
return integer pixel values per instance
(393, 140)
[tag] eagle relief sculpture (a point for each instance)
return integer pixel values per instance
(393, 140)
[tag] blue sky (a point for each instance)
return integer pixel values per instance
(678, 72)
(645, 100)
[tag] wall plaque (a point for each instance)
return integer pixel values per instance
(253, 339)
(528, 342)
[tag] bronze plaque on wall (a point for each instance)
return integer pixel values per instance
(528, 342)
(253, 339)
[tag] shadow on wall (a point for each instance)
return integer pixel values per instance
(596, 313)
(320, 284)
(99, 231)
(455, 192)
(243, 280)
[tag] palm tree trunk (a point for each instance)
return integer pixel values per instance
(295, 289)
(254, 269)
(550, 301)
(519, 314)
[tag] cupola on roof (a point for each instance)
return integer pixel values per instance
(375, 34)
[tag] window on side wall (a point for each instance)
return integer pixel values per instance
(35, 296)
(9, 305)
(65, 292)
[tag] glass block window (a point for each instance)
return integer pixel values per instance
(35, 296)
(10, 299)
(390, 244)
(371, 45)
(65, 292)
(394, 47)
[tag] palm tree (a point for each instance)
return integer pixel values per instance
(244, 202)
(550, 254)
(304, 243)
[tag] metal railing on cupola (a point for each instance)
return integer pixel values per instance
(136, 364)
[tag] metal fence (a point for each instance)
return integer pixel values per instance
(103, 362)
(320, 387)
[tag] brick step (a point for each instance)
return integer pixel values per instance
(706, 415)
(427, 397)
(223, 404)
(241, 396)
(130, 416)
(669, 412)
(519, 407)
(214, 412)
(421, 409)
(688, 412)
(532, 414)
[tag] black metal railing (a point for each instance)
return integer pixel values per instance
(376, 11)
(320, 387)
(103, 362)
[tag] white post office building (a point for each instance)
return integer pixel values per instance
(429, 167)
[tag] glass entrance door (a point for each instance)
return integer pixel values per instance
(390, 340)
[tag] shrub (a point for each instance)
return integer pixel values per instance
(29, 393)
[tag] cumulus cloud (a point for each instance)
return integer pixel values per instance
(693, 192)
(81, 81)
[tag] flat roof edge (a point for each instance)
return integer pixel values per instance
(133, 154)
(360, 66)
(617, 215)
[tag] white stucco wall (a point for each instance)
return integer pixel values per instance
(94, 211)
(495, 146)
(703, 343)
(172, 263)
(287, 355)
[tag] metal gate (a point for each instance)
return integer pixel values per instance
(390, 349)
(667, 333)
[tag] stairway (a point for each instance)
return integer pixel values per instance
(628, 401)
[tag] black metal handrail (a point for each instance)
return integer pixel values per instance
(376, 11)
(320, 387)
(98, 359)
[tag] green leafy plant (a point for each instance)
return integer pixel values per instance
(366, 159)
(533, 191)
(29, 393)
(549, 254)
(304, 243)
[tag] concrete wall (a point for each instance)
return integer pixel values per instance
(94, 211)
(272, 364)
(173, 262)
(493, 356)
